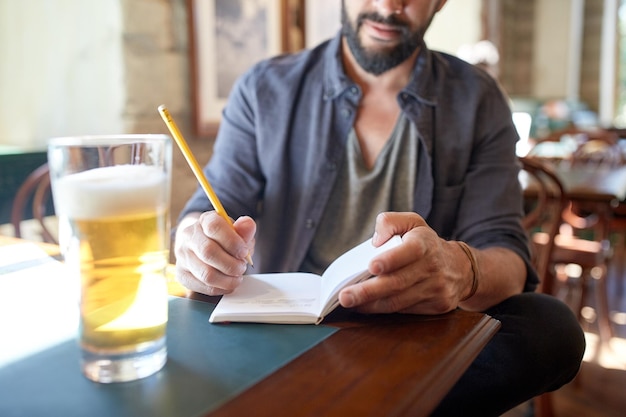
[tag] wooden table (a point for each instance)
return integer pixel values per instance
(596, 191)
(397, 365)
(391, 365)
(599, 189)
(600, 184)
(582, 182)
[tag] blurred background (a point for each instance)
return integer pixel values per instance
(74, 67)
(77, 67)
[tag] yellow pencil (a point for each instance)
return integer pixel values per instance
(191, 160)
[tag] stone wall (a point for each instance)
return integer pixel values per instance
(590, 68)
(516, 34)
(156, 59)
(518, 45)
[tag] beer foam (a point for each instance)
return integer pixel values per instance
(111, 191)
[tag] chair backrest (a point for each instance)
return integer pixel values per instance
(35, 188)
(585, 218)
(543, 213)
(598, 153)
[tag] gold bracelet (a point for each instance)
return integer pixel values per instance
(475, 270)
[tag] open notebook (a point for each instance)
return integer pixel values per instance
(298, 297)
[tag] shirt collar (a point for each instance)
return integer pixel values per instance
(421, 86)
(336, 81)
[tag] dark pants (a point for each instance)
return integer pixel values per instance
(539, 348)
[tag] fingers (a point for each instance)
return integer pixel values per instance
(380, 295)
(419, 250)
(245, 227)
(412, 277)
(211, 253)
(216, 284)
(389, 224)
(219, 231)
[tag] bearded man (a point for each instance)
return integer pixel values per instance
(372, 133)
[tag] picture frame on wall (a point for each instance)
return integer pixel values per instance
(227, 37)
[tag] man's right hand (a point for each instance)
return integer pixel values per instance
(210, 254)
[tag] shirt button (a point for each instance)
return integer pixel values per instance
(346, 113)
(310, 223)
(354, 91)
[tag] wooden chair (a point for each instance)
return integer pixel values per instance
(35, 188)
(543, 215)
(543, 218)
(583, 237)
(584, 241)
(617, 232)
(594, 221)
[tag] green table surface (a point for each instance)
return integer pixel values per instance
(207, 365)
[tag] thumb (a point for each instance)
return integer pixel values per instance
(390, 223)
(245, 227)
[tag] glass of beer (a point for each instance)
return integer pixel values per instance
(112, 197)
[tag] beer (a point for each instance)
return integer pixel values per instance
(114, 225)
(122, 280)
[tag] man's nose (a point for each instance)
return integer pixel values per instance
(389, 7)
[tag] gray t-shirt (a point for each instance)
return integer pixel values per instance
(360, 194)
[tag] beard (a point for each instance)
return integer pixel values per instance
(378, 62)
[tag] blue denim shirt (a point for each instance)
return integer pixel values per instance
(283, 134)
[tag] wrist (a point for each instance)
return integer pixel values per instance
(475, 271)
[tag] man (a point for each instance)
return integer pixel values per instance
(313, 146)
